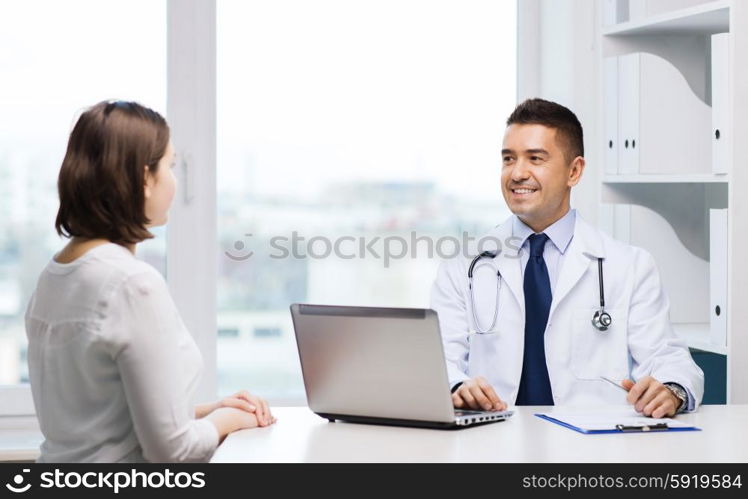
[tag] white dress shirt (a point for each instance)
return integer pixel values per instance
(112, 367)
(560, 234)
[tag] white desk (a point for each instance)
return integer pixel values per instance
(301, 436)
(20, 445)
(20, 439)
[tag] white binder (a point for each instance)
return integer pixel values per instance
(628, 114)
(614, 12)
(674, 123)
(638, 10)
(611, 115)
(718, 276)
(720, 103)
(663, 127)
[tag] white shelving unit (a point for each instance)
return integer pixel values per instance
(695, 335)
(657, 189)
(706, 18)
(665, 179)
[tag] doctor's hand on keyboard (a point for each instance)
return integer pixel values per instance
(477, 394)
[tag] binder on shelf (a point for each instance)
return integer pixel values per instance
(638, 10)
(718, 276)
(628, 114)
(674, 122)
(614, 12)
(663, 126)
(720, 103)
(611, 115)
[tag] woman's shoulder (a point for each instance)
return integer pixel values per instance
(116, 258)
(95, 289)
(129, 272)
(110, 268)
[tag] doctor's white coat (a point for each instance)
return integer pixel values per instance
(640, 341)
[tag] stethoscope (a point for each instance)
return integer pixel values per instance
(601, 320)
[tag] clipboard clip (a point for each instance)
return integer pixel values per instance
(644, 428)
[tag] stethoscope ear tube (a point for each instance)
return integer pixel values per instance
(485, 254)
(478, 328)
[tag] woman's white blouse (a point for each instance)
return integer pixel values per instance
(112, 367)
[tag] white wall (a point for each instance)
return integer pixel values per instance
(557, 53)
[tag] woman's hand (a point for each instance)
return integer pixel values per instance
(244, 401)
(229, 419)
(262, 409)
(203, 410)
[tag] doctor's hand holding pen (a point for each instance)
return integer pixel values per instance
(651, 398)
(477, 394)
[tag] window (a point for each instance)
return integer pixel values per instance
(338, 122)
(57, 58)
(341, 122)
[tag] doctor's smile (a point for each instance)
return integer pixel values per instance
(522, 194)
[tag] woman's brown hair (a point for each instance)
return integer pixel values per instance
(102, 178)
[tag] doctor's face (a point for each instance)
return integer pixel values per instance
(536, 175)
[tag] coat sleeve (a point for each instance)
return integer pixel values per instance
(154, 374)
(655, 349)
(448, 301)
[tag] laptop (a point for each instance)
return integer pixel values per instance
(378, 366)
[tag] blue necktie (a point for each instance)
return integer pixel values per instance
(535, 386)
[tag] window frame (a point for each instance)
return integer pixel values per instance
(191, 265)
(190, 253)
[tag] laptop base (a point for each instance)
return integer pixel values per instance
(438, 425)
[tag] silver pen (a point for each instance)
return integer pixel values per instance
(617, 385)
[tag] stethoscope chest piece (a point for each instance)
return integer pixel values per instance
(602, 320)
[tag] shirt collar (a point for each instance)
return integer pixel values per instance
(560, 232)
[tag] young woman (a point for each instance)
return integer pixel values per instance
(111, 364)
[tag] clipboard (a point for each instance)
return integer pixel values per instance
(606, 423)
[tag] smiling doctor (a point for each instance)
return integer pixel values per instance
(533, 329)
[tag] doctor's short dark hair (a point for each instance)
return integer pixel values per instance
(542, 112)
(102, 178)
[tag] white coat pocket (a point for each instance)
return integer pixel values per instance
(596, 353)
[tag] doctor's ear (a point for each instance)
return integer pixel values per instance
(575, 171)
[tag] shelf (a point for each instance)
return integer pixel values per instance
(684, 205)
(697, 337)
(666, 179)
(705, 19)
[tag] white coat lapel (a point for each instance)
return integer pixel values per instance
(508, 261)
(584, 249)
